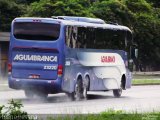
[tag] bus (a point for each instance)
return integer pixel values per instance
(69, 54)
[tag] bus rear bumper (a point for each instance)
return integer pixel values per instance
(49, 86)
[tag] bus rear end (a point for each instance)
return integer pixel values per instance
(35, 58)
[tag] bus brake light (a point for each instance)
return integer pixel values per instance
(9, 67)
(60, 70)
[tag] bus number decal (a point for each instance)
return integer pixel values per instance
(50, 67)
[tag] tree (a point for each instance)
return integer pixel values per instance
(156, 3)
(8, 11)
(146, 32)
(25, 1)
(48, 8)
(113, 11)
(139, 6)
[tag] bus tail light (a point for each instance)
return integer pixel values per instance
(60, 70)
(9, 67)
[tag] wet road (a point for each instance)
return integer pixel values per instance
(138, 98)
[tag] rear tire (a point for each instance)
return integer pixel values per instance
(85, 87)
(117, 93)
(78, 91)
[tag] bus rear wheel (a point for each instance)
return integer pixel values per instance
(86, 87)
(78, 91)
(117, 92)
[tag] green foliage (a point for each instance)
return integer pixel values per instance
(13, 112)
(110, 114)
(48, 8)
(25, 1)
(146, 31)
(155, 3)
(9, 9)
(137, 6)
(113, 11)
(145, 82)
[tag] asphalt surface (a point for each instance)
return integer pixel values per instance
(136, 99)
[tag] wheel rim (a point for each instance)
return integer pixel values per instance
(85, 87)
(85, 91)
(81, 88)
(77, 92)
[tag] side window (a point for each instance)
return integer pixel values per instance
(91, 40)
(116, 39)
(129, 40)
(129, 37)
(106, 38)
(109, 36)
(67, 40)
(82, 37)
(121, 39)
(68, 34)
(99, 38)
(74, 37)
(71, 36)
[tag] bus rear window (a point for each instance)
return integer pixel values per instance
(36, 31)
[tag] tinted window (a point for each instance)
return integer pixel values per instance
(36, 31)
(71, 37)
(96, 38)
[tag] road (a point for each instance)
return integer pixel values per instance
(138, 98)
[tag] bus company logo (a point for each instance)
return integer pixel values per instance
(108, 59)
(38, 58)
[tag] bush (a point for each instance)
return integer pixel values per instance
(13, 111)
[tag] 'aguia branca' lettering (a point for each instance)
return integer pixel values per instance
(35, 58)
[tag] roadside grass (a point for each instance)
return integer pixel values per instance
(146, 79)
(110, 115)
(146, 82)
(135, 76)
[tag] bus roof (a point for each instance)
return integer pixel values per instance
(79, 21)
